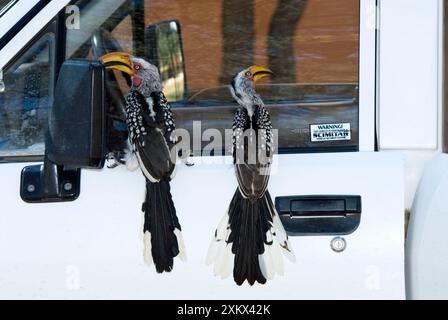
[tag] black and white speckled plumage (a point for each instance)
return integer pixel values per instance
(260, 122)
(251, 232)
(137, 106)
(151, 130)
(134, 116)
(145, 128)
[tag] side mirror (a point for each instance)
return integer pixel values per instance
(164, 49)
(75, 137)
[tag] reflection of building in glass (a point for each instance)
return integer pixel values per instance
(325, 41)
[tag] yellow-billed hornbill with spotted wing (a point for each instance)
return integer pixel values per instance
(251, 232)
(151, 128)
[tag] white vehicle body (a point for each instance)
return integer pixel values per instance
(91, 248)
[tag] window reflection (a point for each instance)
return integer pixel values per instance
(302, 41)
(311, 45)
(26, 100)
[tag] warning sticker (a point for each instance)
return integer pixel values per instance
(330, 132)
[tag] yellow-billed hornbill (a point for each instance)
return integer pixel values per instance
(151, 128)
(251, 232)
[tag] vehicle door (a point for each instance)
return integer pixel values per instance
(341, 202)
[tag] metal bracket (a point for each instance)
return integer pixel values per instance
(49, 183)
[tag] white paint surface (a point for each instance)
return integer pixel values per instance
(367, 72)
(409, 70)
(93, 247)
(426, 246)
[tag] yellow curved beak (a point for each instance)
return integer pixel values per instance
(259, 73)
(118, 61)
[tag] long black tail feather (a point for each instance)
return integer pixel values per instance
(249, 221)
(161, 222)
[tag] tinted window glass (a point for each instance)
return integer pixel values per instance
(311, 45)
(26, 98)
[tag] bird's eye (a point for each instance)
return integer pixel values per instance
(248, 74)
(137, 67)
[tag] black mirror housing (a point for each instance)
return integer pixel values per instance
(76, 126)
(75, 138)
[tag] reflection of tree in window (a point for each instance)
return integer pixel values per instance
(281, 39)
(238, 37)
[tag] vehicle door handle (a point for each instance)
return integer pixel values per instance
(319, 214)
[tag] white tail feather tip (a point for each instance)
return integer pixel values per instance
(147, 254)
(181, 245)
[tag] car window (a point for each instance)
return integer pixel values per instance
(311, 45)
(26, 97)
